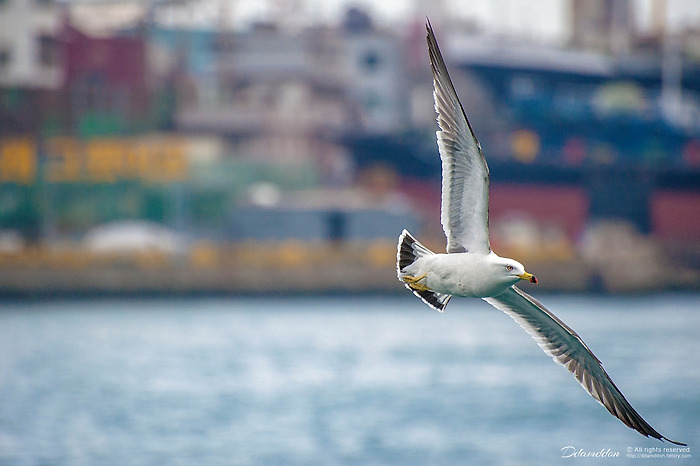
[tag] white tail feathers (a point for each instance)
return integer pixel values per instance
(408, 251)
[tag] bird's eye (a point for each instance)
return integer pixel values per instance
(509, 268)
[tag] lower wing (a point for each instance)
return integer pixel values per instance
(564, 345)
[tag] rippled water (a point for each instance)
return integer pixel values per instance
(324, 381)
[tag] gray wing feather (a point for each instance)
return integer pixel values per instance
(465, 175)
(566, 348)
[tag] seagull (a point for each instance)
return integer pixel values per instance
(471, 269)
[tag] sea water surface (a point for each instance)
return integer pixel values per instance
(338, 381)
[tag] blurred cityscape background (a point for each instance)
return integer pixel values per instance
(161, 146)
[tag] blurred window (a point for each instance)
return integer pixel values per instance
(5, 53)
(48, 50)
(18, 160)
(371, 61)
(523, 87)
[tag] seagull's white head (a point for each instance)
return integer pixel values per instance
(511, 271)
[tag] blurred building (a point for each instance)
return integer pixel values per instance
(326, 131)
(31, 67)
(374, 74)
(272, 95)
(29, 49)
(105, 82)
(603, 25)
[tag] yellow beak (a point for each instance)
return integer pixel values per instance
(528, 276)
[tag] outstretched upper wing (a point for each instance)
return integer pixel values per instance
(566, 347)
(465, 175)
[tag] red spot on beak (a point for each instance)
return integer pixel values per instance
(534, 280)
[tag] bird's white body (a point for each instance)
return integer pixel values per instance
(466, 274)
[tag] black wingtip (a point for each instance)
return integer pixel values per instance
(673, 441)
(429, 29)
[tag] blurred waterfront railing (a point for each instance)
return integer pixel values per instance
(209, 254)
(248, 266)
(203, 266)
(294, 266)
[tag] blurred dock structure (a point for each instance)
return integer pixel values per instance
(139, 155)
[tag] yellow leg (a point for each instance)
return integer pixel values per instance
(413, 282)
